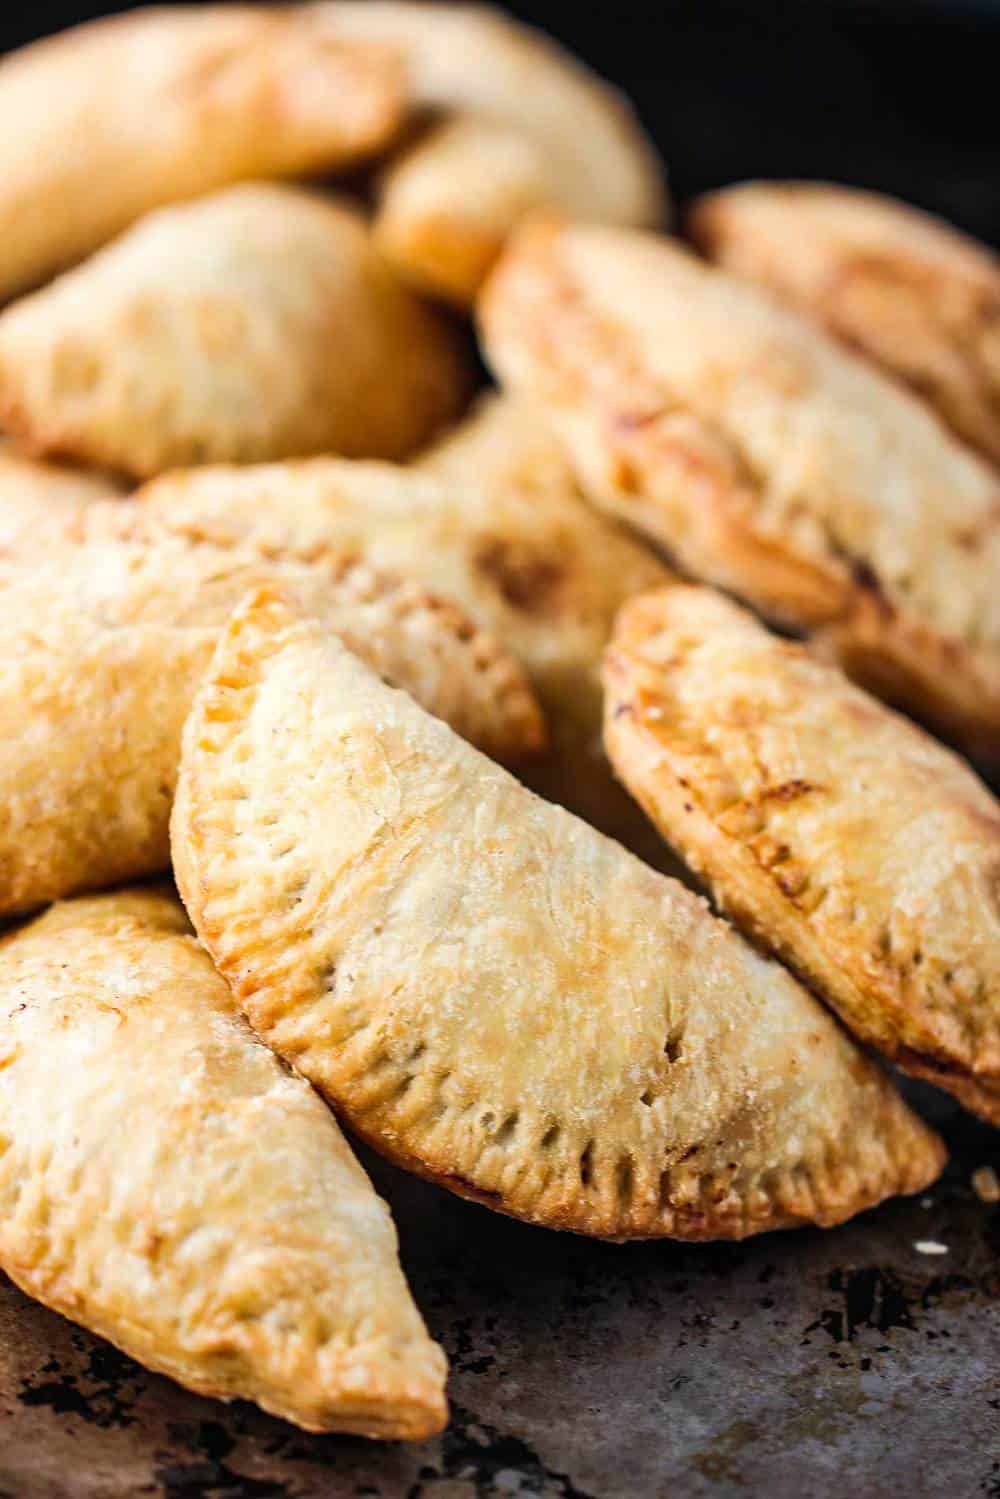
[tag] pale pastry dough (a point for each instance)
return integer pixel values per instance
(500, 528)
(167, 1183)
(519, 124)
(765, 458)
(40, 503)
(845, 839)
(107, 121)
(898, 285)
(100, 653)
(256, 323)
(490, 991)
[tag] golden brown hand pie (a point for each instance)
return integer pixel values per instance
(110, 120)
(490, 991)
(41, 502)
(896, 284)
(517, 550)
(256, 323)
(518, 124)
(167, 1183)
(844, 838)
(100, 653)
(765, 458)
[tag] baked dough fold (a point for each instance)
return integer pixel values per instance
(842, 837)
(167, 1183)
(491, 992)
(101, 650)
(517, 123)
(898, 285)
(766, 460)
(107, 121)
(256, 323)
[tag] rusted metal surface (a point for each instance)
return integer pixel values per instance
(797, 1364)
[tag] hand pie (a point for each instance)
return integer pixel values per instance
(167, 1183)
(40, 502)
(107, 121)
(518, 124)
(100, 654)
(503, 450)
(842, 837)
(906, 289)
(491, 992)
(256, 323)
(766, 459)
(526, 559)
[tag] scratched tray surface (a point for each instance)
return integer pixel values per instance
(794, 1364)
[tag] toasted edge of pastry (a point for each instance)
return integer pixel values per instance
(843, 838)
(766, 459)
(493, 994)
(181, 1193)
(41, 503)
(902, 287)
(101, 650)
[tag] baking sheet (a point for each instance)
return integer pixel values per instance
(794, 1364)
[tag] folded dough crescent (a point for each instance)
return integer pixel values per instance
(107, 121)
(491, 992)
(256, 323)
(517, 123)
(844, 838)
(101, 650)
(494, 522)
(904, 288)
(166, 1182)
(765, 458)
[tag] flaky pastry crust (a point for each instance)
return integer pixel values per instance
(518, 124)
(101, 650)
(107, 121)
(256, 323)
(844, 838)
(765, 458)
(168, 1184)
(898, 285)
(491, 992)
(493, 522)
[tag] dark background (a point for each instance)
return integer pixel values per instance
(900, 95)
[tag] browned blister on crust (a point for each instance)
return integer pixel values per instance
(105, 122)
(843, 838)
(493, 521)
(900, 286)
(166, 1182)
(491, 992)
(516, 124)
(765, 458)
(101, 650)
(256, 323)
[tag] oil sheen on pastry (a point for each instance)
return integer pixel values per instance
(898, 285)
(256, 323)
(516, 124)
(491, 992)
(765, 458)
(107, 121)
(101, 650)
(168, 1184)
(837, 833)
